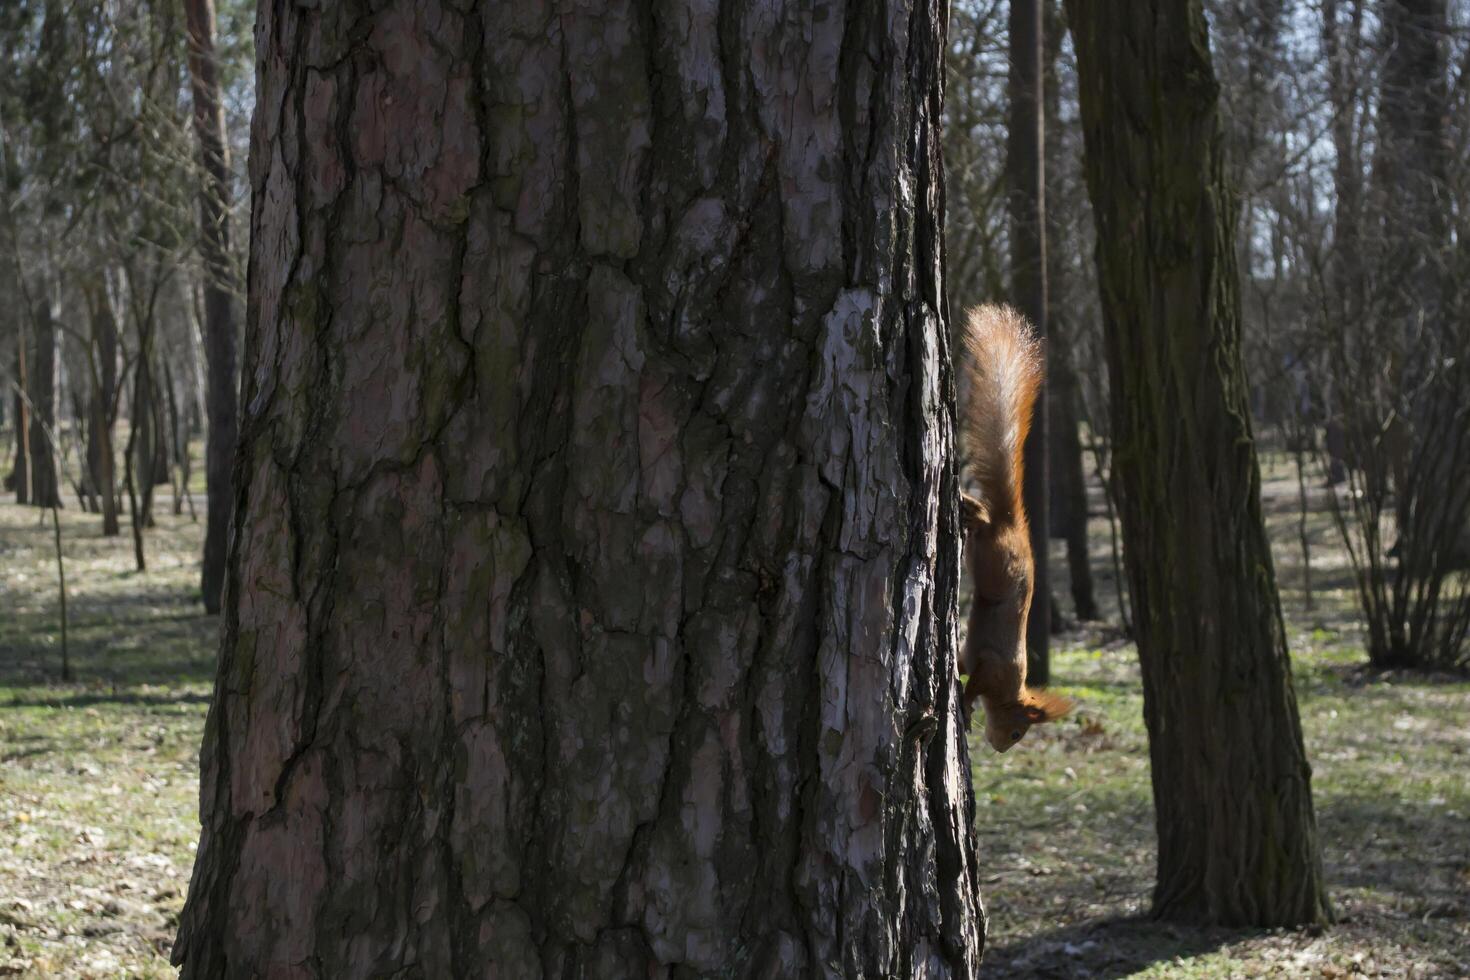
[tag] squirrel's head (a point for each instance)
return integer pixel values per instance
(1007, 724)
(998, 556)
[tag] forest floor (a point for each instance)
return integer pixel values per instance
(98, 779)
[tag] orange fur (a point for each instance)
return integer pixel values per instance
(1001, 373)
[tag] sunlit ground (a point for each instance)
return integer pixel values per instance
(98, 780)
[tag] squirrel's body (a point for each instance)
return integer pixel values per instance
(1001, 372)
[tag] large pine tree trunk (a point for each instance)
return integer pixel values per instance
(592, 605)
(1026, 202)
(1232, 795)
(219, 303)
(45, 397)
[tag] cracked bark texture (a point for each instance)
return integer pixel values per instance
(1232, 787)
(591, 610)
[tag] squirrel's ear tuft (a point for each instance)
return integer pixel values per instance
(972, 513)
(1042, 706)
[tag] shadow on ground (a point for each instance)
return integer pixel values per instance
(1102, 948)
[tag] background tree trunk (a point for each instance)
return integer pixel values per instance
(1232, 795)
(219, 303)
(20, 470)
(1066, 480)
(1340, 44)
(593, 604)
(1026, 176)
(162, 433)
(144, 440)
(1410, 157)
(44, 395)
(102, 406)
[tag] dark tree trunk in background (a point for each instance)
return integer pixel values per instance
(1025, 175)
(102, 404)
(1066, 479)
(1410, 162)
(144, 440)
(1417, 420)
(219, 303)
(178, 441)
(1409, 184)
(592, 605)
(162, 434)
(20, 472)
(1232, 794)
(45, 372)
(1341, 42)
(163, 450)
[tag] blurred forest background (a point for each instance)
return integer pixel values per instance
(124, 222)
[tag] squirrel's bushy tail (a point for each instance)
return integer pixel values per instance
(1000, 372)
(1047, 705)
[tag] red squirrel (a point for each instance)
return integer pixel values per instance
(1001, 370)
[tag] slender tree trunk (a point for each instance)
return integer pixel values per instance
(103, 404)
(44, 375)
(1342, 53)
(1232, 794)
(20, 470)
(163, 454)
(61, 594)
(1410, 187)
(1303, 538)
(1026, 176)
(86, 485)
(178, 435)
(194, 316)
(219, 290)
(592, 605)
(130, 482)
(143, 439)
(1067, 482)
(1410, 161)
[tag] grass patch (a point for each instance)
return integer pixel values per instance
(98, 778)
(1065, 821)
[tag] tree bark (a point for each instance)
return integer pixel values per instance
(219, 290)
(43, 378)
(1026, 176)
(1232, 794)
(592, 610)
